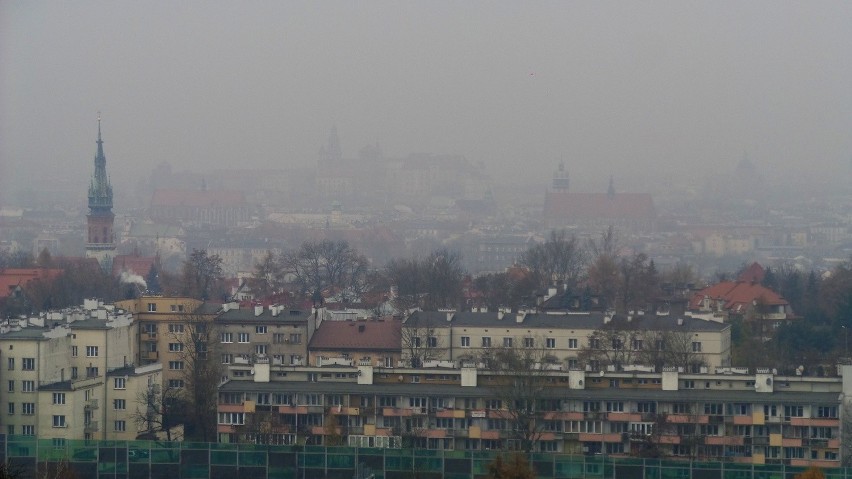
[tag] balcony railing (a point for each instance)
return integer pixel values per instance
(91, 426)
(91, 404)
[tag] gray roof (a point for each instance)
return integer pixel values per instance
(246, 315)
(593, 321)
(90, 323)
(599, 394)
(28, 333)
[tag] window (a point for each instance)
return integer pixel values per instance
(120, 426)
(636, 344)
(296, 338)
(431, 342)
(175, 328)
(237, 418)
(11, 386)
(58, 398)
(28, 430)
(714, 409)
(681, 408)
(28, 364)
(74, 351)
(486, 342)
(119, 404)
(465, 341)
(175, 347)
(10, 364)
(58, 421)
(550, 343)
(152, 307)
(175, 383)
(28, 386)
(279, 338)
(227, 337)
(696, 347)
(572, 343)
(493, 404)
(614, 406)
(507, 342)
(260, 329)
(227, 358)
(827, 411)
(688, 384)
(594, 343)
(91, 372)
(119, 383)
(91, 351)
(11, 408)
(243, 337)
(646, 407)
(28, 408)
(793, 411)
(175, 365)
(529, 342)
(260, 349)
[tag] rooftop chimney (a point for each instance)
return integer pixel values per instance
(258, 309)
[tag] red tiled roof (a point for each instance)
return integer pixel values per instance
(737, 295)
(13, 277)
(132, 263)
(358, 335)
(589, 206)
(197, 198)
(754, 273)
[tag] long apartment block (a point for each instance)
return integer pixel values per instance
(753, 417)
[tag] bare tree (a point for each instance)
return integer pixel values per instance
(846, 432)
(615, 344)
(263, 426)
(201, 274)
(559, 259)
(603, 269)
(159, 409)
(316, 266)
(419, 340)
(431, 283)
(202, 373)
(268, 277)
(522, 371)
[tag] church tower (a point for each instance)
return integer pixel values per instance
(560, 179)
(100, 241)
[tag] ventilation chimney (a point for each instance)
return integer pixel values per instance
(520, 317)
(258, 309)
(361, 328)
(680, 321)
(500, 313)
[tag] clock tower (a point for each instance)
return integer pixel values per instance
(100, 240)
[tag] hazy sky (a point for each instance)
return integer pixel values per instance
(676, 88)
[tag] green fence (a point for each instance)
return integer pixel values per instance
(191, 460)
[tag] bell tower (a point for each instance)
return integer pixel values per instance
(100, 239)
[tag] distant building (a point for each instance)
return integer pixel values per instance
(100, 243)
(630, 211)
(215, 207)
(372, 342)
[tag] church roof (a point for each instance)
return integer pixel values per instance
(594, 206)
(198, 198)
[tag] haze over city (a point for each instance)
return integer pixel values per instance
(653, 92)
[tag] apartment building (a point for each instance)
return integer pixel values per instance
(375, 342)
(274, 332)
(165, 324)
(569, 340)
(70, 374)
(732, 415)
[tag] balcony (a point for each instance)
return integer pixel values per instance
(148, 336)
(91, 404)
(150, 355)
(91, 426)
